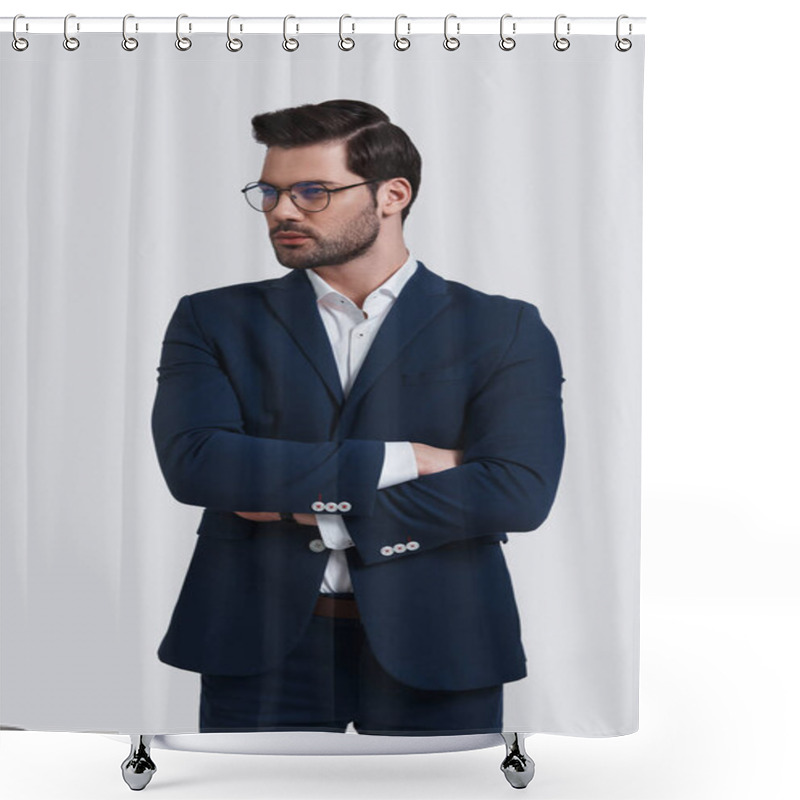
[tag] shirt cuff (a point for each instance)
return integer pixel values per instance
(333, 531)
(399, 464)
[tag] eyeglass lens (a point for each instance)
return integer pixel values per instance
(307, 196)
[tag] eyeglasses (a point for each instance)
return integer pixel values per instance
(306, 195)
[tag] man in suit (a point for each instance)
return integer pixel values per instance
(361, 433)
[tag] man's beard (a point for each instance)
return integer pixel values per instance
(350, 242)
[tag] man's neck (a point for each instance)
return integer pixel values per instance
(358, 278)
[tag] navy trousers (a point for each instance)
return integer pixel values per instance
(331, 679)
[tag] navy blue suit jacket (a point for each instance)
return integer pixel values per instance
(249, 416)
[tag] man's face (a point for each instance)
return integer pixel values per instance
(346, 229)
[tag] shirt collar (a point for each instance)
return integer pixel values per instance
(391, 286)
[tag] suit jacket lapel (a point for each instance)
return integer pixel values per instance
(421, 299)
(294, 302)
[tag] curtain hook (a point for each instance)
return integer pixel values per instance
(289, 44)
(507, 42)
(623, 45)
(451, 42)
(561, 43)
(18, 43)
(401, 43)
(234, 45)
(346, 43)
(70, 42)
(182, 42)
(128, 42)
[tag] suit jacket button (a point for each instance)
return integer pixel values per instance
(316, 545)
(318, 506)
(332, 507)
(387, 551)
(412, 546)
(344, 506)
(399, 548)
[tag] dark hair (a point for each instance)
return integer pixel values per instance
(376, 148)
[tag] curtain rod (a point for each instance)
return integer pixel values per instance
(460, 26)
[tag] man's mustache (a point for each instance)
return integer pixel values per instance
(289, 229)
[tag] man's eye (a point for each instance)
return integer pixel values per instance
(312, 191)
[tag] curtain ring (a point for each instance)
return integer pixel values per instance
(234, 45)
(561, 43)
(70, 42)
(345, 42)
(290, 45)
(182, 42)
(128, 42)
(18, 43)
(451, 42)
(507, 42)
(401, 43)
(623, 45)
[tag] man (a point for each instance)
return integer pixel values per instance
(361, 433)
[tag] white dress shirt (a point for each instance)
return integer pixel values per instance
(351, 332)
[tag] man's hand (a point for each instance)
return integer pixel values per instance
(305, 519)
(435, 459)
(274, 516)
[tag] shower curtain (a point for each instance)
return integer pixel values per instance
(121, 178)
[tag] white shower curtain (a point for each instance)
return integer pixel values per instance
(120, 193)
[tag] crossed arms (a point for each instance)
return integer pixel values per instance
(429, 460)
(504, 479)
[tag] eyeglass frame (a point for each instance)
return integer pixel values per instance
(279, 191)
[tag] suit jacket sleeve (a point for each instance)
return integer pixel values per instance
(513, 453)
(208, 459)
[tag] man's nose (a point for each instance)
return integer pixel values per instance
(285, 209)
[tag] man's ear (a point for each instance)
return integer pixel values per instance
(394, 195)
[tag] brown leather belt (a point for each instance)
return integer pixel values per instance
(338, 607)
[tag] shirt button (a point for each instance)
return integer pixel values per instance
(412, 546)
(399, 548)
(316, 545)
(318, 506)
(332, 507)
(344, 506)
(387, 551)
